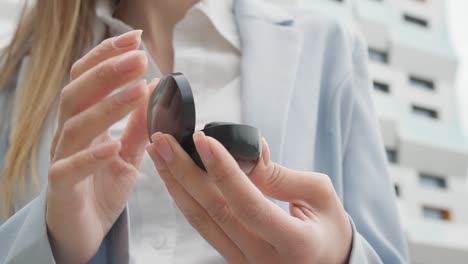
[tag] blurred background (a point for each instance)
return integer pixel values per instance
(416, 59)
(419, 67)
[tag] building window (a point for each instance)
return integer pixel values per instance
(432, 181)
(425, 112)
(378, 55)
(392, 155)
(397, 190)
(422, 83)
(416, 20)
(436, 213)
(381, 87)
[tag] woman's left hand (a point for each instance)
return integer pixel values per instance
(231, 212)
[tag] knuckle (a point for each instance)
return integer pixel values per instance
(325, 185)
(198, 222)
(75, 69)
(103, 48)
(222, 171)
(275, 181)
(300, 248)
(256, 214)
(220, 211)
(171, 184)
(53, 173)
(101, 71)
(180, 177)
(69, 129)
(64, 95)
(75, 164)
(110, 108)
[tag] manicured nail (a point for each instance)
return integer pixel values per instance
(203, 146)
(105, 150)
(132, 93)
(162, 146)
(131, 61)
(158, 161)
(128, 39)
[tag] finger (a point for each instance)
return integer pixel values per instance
(97, 83)
(83, 128)
(135, 137)
(106, 49)
(101, 80)
(296, 187)
(196, 215)
(257, 213)
(205, 192)
(69, 171)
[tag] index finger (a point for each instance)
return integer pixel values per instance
(106, 49)
(257, 213)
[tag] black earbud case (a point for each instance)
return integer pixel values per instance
(171, 110)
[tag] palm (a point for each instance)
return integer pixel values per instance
(98, 200)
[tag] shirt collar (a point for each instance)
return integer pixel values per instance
(221, 14)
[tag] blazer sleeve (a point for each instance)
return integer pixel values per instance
(368, 194)
(24, 239)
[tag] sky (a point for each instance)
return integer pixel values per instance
(458, 26)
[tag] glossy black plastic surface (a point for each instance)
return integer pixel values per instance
(171, 110)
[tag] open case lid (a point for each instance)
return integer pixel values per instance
(171, 108)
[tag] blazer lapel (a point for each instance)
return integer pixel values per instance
(271, 48)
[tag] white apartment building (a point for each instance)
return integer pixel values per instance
(413, 67)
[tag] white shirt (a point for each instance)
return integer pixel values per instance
(207, 51)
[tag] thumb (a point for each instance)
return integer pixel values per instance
(289, 185)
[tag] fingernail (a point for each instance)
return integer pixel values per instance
(128, 39)
(163, 148)
(158, 161)
(132, 93)
(105, 150)
(203, 146)
(265, 152)
(130, 61)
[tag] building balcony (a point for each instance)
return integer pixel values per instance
(420, 193)
(375, 19)
(432, 146)
(412, 34)
(435, 242)
(423, 52)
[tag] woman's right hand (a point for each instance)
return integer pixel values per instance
(91, 176)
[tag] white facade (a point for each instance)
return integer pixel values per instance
(413, 65)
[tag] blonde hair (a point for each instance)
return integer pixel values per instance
(53, 33)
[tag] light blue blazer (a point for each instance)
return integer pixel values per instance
(305, 84)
